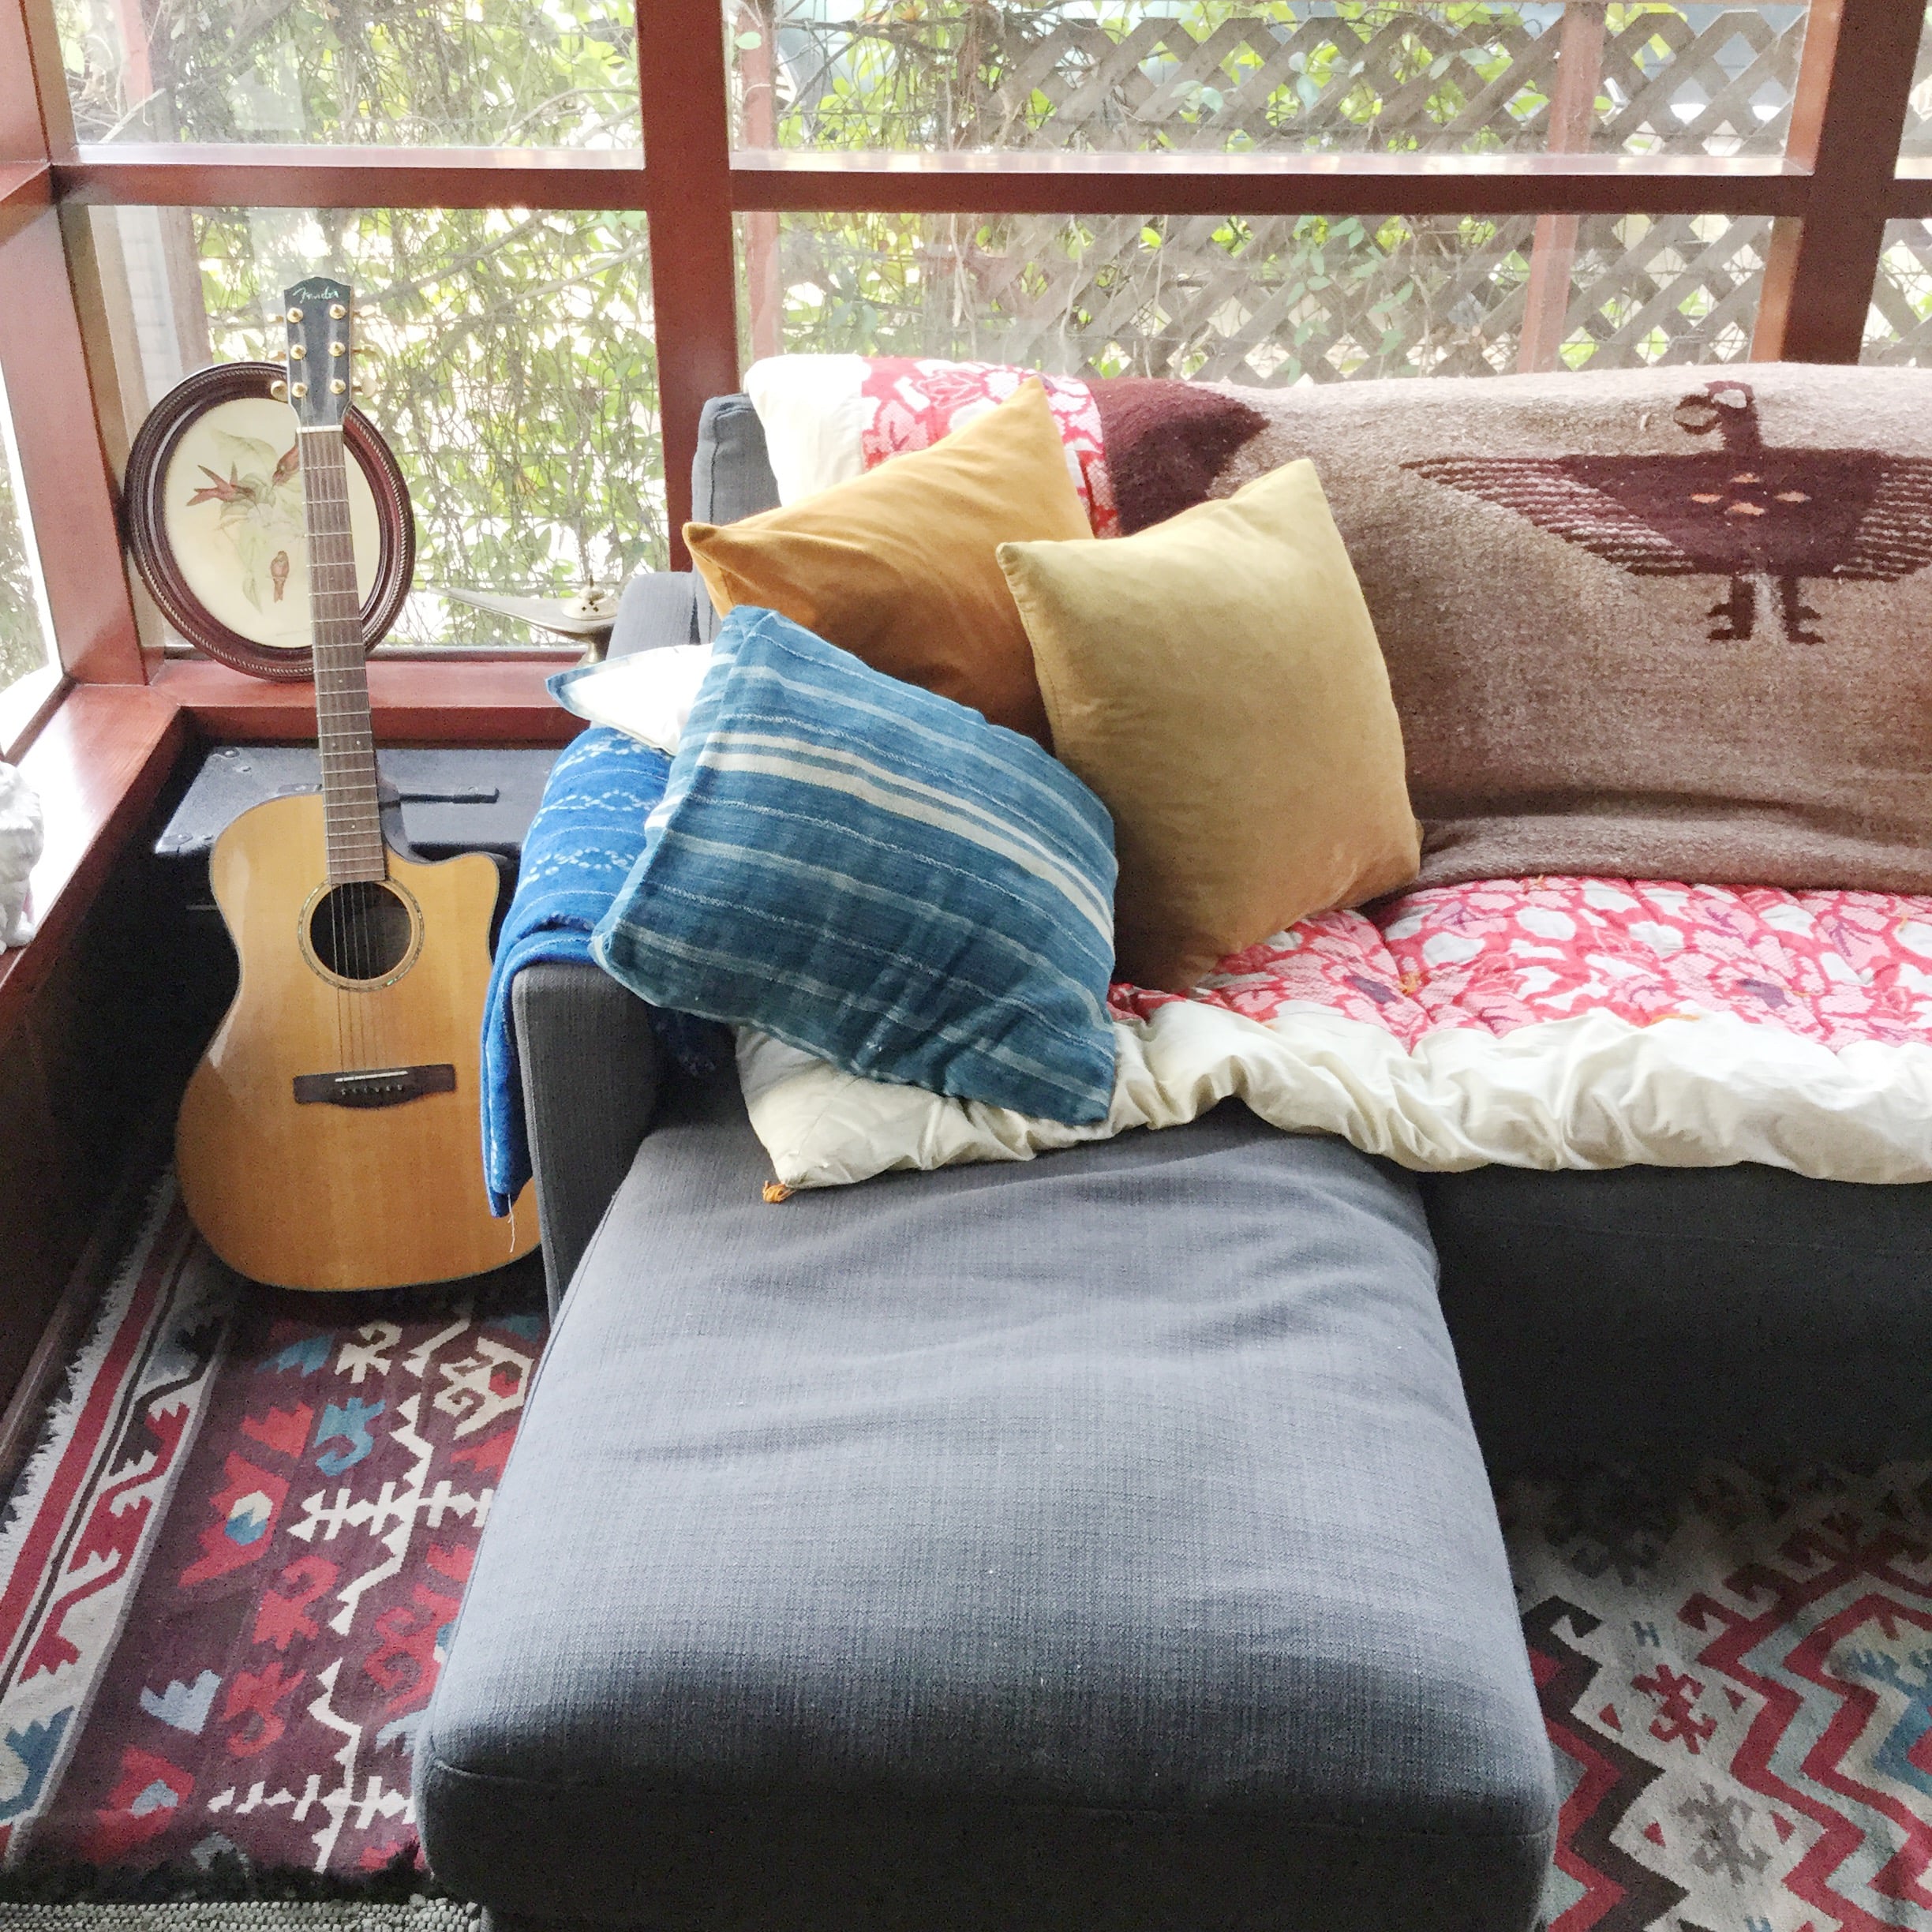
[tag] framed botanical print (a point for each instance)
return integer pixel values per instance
(212, 505)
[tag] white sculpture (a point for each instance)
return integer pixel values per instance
(19, 847)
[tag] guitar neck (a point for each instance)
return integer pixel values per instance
(351, 815)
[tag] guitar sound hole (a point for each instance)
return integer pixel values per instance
(360, 930)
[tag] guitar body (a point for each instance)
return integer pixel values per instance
(365, 1189)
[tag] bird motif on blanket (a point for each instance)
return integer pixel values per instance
(1766, 518)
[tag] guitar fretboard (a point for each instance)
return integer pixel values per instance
(350, 814)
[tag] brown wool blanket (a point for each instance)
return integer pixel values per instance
(1655, 624)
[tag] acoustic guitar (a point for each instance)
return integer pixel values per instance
(329, 1137)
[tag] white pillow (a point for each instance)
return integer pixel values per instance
(812, 412)
(647, 696)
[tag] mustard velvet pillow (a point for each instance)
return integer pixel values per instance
(1216, 680)
(897, 566)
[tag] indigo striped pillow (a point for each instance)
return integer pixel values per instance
(876, 875)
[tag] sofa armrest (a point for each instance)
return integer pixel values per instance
(658, 607)
(592, 1071)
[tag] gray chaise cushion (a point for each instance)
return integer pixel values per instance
(1093, 1544)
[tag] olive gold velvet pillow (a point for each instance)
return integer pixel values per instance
(897, 566)
(1216, 680)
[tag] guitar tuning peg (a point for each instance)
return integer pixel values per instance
(279, 390)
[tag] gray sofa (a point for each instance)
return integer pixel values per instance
(1101, 1543)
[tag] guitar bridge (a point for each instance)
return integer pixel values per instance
(379, 1087)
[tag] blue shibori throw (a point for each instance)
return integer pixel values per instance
(874, 874)
(588, 833)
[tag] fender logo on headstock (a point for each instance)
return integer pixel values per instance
(320, 313)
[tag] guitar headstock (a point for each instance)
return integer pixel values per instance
(319, 313)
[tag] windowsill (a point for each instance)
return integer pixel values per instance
(558, 656)
(25, 706)
(99, 759)
(413, 701)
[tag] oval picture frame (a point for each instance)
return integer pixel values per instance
(150, 514)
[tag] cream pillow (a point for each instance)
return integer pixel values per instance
(1216, 680)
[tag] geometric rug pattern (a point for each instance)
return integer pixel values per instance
(359, 1914)
(1735, 1674)
(228, 1577)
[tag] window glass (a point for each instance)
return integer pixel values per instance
(1282, 300)
(509, 359)
(26, 635)
(1233, 75)
(1917, 140)
(503, 72)
(1898, 327)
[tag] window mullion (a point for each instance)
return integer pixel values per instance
(682, 87)
(65, 472)
(36, 119)
(1847, 116)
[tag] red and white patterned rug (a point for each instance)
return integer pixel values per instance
(226, 1578)
(1736, 1677)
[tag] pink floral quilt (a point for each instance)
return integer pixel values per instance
(908, 402)
(1834, 966)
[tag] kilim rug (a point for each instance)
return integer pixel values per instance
(226, 1579)
(228, 1575)
(1735, 1674)
(427, 1915)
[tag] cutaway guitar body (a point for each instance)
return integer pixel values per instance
(330, 1137)
(379, 1184)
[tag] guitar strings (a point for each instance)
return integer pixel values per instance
(363, 910)
(335, 947)
(314, 494)
(349, 942)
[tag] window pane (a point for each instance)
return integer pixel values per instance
(501, 72)
(1917, 138)
(25, 634)
(1898, 327)
(1273, 301)
(512, 368)
(1233, 75)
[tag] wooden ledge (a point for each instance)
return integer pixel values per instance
(99, 764)
(414, 701)
(1073, 182)
(101, 758)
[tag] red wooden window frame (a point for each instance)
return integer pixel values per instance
(1831, 194)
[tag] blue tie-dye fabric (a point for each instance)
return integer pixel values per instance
(587, 835)
(875, 874)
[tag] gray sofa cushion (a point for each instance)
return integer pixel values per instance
(731, 477)
(1669, 1314)
(1099, 1542)
(657, 608)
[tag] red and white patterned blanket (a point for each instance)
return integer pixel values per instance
(1834, 968)
(1543, 1023)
